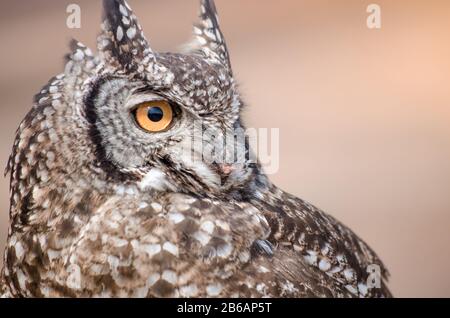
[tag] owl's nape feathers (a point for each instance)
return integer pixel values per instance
(101, 206)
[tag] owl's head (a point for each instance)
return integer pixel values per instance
(166, 121)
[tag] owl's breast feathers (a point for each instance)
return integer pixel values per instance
(178, 245)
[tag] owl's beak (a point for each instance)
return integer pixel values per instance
(224, 169)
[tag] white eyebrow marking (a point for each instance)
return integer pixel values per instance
(134, 100)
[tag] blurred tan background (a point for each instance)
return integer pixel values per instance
(364, 114)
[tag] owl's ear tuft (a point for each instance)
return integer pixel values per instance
(122, 42)
(80, 60)
(78, 52)
(208, 38)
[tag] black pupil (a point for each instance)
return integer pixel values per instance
(155, 114)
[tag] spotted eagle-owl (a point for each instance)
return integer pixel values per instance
(107, 202)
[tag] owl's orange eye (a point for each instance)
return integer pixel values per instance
(154, 116)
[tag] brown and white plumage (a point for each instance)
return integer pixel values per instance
(102, 208)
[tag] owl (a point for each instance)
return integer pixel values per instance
(113, 193)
